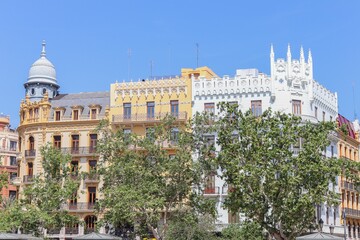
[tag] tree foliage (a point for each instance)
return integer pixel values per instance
(272, 184)
(245, 231)
(41, 206)
(150, 179)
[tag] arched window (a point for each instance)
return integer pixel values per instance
(44, 90)
(90, 223)
(31, 143)
(32, 91)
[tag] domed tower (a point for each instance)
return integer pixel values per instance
(41, 79)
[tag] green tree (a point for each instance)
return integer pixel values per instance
(271, 185)
(149, 179)
(42, 204)
(245, 231)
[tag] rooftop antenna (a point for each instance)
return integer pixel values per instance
(353, 88)
(151, 69)
(129, 63)
(197, 55)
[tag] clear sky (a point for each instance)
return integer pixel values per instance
(88, 41)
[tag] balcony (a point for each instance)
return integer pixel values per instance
(211, 191)
(91, 178)
(54, 230)
(353, 213)
(349, 186)
(28, 179)
(16, 181)
(89, 230)
(80, 150)
(73, 230)
(146, 118)
(30, 153)
(84, 117)
(79, 207)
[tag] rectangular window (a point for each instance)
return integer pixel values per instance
(92, 165)
(256, 108)
(93, 142)
(75, 143)
(174, 135)
(127, 110)
(210, 184)
(296, 107)
(13, 161)
(57, 115)
(174, 107)
(76, 114)
(13, 175)
(150, 110)
(36, 113)
(74, 168)
(93, 113)
(150, 133)
(92, 197)
(331, 119)
(13, 145)
(12, 195)
(127, 131)
(332, 151)
(73, 200)
(209, 108)
(30, 169)
(316, 112)
(57, 142)
(323, 116)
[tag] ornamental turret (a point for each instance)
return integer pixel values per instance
(41, 79)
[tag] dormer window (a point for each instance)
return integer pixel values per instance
(94, 111)
(93, 114)
(57, 115)
(76, 114)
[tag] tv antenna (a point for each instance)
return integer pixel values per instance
(197, 55)
(129, 63)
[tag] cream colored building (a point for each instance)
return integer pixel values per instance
(68, 122)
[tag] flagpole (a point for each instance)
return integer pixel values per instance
(344, 219)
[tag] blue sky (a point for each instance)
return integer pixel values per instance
(88, 41)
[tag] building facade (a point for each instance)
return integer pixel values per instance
(290, 88)
(348, 148)
(68, 122)
(8, 154)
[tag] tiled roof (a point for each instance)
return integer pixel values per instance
(84, 99)
(350, 127)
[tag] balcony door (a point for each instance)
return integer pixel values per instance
(75, 144)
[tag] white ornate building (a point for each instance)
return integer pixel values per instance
(290, 88)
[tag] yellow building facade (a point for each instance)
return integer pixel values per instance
(348, 148)
(136, 106)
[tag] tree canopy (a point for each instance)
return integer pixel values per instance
(41, 206)
(277, 169)
(150, 179)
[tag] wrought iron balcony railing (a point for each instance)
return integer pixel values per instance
(144, 117)
(28, 179)
(30, 153)
(80, 150)
(78, 206)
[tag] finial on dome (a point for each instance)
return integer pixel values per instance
(43, 51)
(272, 51)
(288, 51)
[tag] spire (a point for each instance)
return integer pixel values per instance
(309, 57)
(43, 51)
(288, 53)
(302, 58)
(272, 55)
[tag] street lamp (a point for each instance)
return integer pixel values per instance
(331, 229)
(321, 224)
